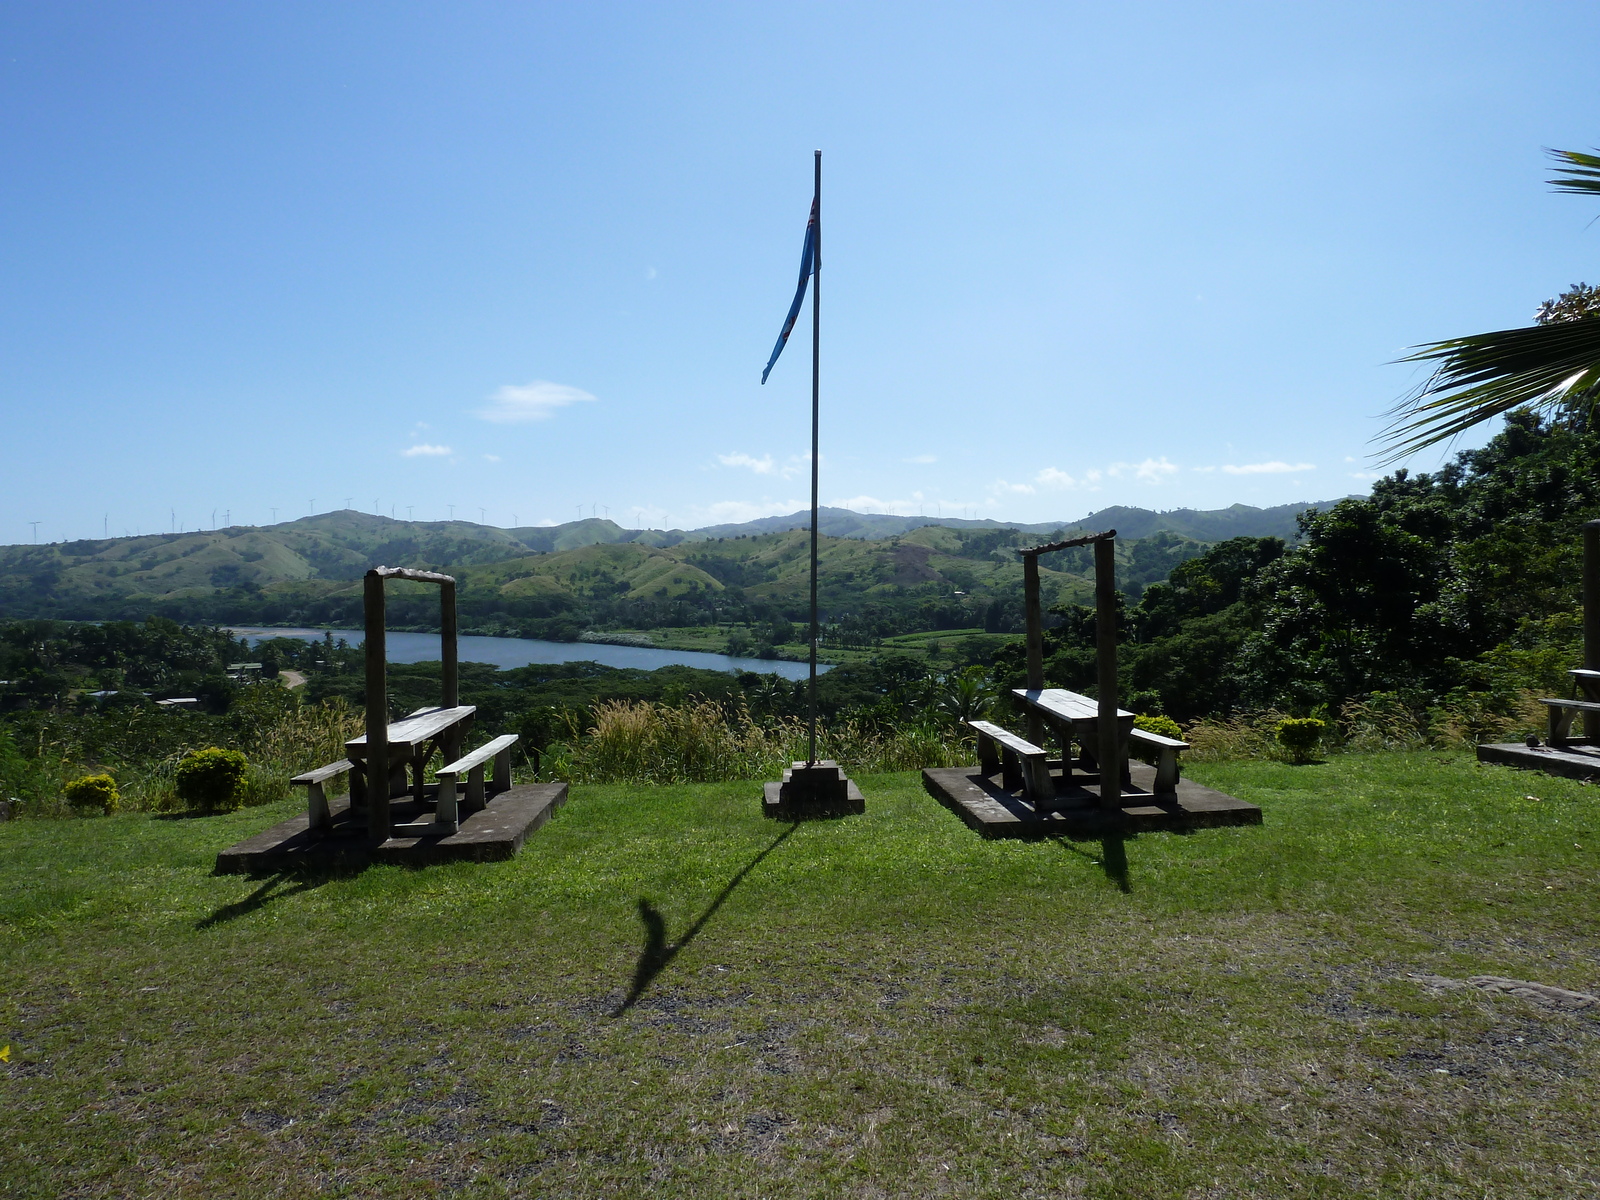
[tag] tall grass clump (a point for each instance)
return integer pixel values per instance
(283, 734)
(701, 742)
(1385, 721)
(1244, 735)
(1375, 722)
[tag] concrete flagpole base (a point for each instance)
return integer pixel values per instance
(812, 791)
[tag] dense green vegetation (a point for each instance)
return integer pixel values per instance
(1456, 587)
(46, 664)
(81, 700)
(667, 995)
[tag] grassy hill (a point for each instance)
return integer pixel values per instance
(557, 580)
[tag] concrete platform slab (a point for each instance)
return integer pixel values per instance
(493, 833)
(994, 811)
(1575, 760)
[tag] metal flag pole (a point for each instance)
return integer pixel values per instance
(816, 362)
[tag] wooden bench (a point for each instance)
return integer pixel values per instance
(317, 813)
(1561, 714)
(1021, 763)
(1167, 751)
(447, 812)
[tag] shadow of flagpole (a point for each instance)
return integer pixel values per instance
(658, 952)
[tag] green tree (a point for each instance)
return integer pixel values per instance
(1551, 366)
(965, 695)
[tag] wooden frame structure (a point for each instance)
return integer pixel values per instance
(1110, 748)
(463, 825)
(1129, 798)
(374, 784)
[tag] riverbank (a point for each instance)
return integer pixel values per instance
(408, 647)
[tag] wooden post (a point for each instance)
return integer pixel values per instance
(377, 710)
(1034, 618)
(450, 671)
(1109, 751)
(451, 674)
(1591, 620)
(317, 815)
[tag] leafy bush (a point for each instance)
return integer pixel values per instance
(211, 780)
(1299, 736)
(93, 791)
(1159, 725)
(965, 695)
(1154, 723)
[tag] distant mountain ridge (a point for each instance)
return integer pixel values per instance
(1203, 525)
(296, 570)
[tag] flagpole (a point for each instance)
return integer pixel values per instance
(816, 361)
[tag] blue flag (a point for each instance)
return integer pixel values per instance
(808, 257)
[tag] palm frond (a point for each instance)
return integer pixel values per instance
(1581, 176)
(1489, 374)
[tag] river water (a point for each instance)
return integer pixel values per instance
(522, 652)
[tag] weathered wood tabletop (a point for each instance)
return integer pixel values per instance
(417, 729)
(1061, 705)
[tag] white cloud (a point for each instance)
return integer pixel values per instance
(423, 450)
(534, 401)
(867, 504)
(491, 458)
(730, 512)
(923, 459)
(1366, 476)
(796, 464)
(1269, 468)
(916, 506)
(761, 466)
(1054, 477)
(1151, 470)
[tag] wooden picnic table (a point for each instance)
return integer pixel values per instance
(1061, 706)
(412, 740)
(1076, 718)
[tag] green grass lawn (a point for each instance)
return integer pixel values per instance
(667, 995)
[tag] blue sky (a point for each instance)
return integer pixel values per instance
(257, 259)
